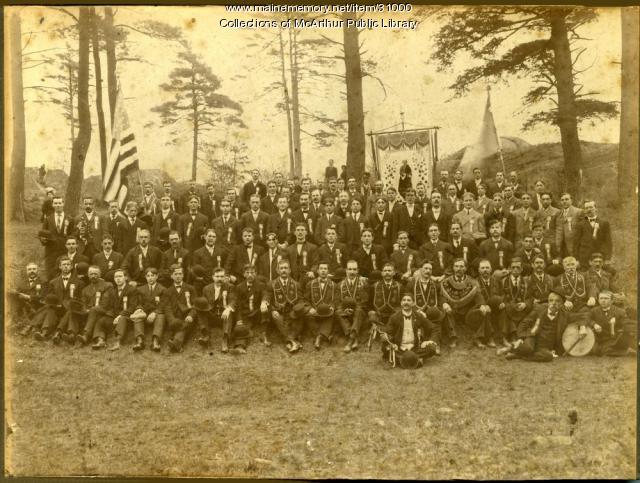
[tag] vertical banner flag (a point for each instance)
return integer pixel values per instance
(418, 147)
(123, 156)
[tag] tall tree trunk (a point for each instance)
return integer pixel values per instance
(18, 151)
(295, 103)
(71, 104)
(628, 148)
(567, 120)
(196, 127)
(110, 48)
(95, 46)
(355, 109)
(287, 101)
(81, 142)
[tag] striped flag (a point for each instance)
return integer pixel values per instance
(123, 156)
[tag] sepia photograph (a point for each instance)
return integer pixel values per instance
(383, 241)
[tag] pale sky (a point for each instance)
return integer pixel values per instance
(413, 86)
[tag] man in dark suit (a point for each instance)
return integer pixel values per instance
(255, 186)
(369, 255)
(329, 219)
(462, 246)
(322, 291)
(192, 192)
(497, 249)
(330, 171)
(540, 332)
(332, 252)
(302, 255)
(141, 257)
(436, 251)
(472, 186)
(268, 262)
(212, 255)
(127, 231)
(107, 259)
(405, 260)
(248, 303)
(354, 223)
(381, 222)
(240, 255)
(149, 204)
(60, 226)
(98, 298)
(114, 218)
(150, 296)
(218, 296)
(443, 184)
(164, 218)
(408, 217)
(178, 309)
(506, 219)
(457, 182)
(226, 225)
(498, 185)
(28, 298)
(176, 254)
(386, 294)
(72, 254)
(438, 215)
(354, 303)
(304, 215)
(210, 204)
(592, 234)
(256, 219)
(47, 204)
(269, 201)
(90, 227)
(281, 223)
(237, 206)
(192, 225)
(615, 333)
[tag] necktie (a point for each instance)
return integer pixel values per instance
(58, 222)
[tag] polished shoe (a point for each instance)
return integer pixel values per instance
(115, 346)
(239, 350)
(40, 335)
(155, 345)
(491, 344)
(172, 346)
(203, 341)
(511, 356)
(69, 338)
(225, 346)
(99, 344)
(354, 345)
(502, 350)
(347, 348)
(56, 338)
(479, 344)
(295, 347)
(318, 342)
(139, 345)
(81, 338)
(452, 344)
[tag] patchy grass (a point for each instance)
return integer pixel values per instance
(467, 414)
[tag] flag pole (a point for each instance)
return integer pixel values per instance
(496, 131)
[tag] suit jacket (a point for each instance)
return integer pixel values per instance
(191, 229)
(268, 268)
(584, 243)
(413, 225)
(336, 257)
(386, 299)
(259, 225)
(268, 204)
(597, 282)
(423, 298)
(210, 207)
(524, 221)
(159, 222)
(227, 232)
(366, 261)
(181, 257)
(550, 331)
(283, 297)
(460, 188)
(472, 187)
(209, 261)
(575, 291)
(539, 289)
(224, 297)
(488, 250)
(508, 224)
(419, 323)
(123, 303)
(470, 254)
(407, 261)
(512, 204)
(108, 264)
(249, 189)
(490, 287)
(36, 289)
(621, 324)
(547, 248)
(151, 300)
(135, 263)
(353, 229)
(241, 298)
(314, 294)
(94, 230)
(184, 201)
(177, 306)
(472, 224)
(147, 209)
(382, 229)
(483, 205)
(239, 257)
(127, 234)
(77, 258)
(565, 229)
(323, 222)
(439, 254)
(548, 218)
(357, 290)
(67, 228)
(452, 206)
(73, 289)
(303, 262)
(112, 225)
(514, 294)
(527, 259)
(443, 221)
(100, 303)
(282, 226)
(310, 221)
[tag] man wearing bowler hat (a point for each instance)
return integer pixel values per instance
(323, 296)
(540, 332)
(408, 330)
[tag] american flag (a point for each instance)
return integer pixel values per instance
(123, 156)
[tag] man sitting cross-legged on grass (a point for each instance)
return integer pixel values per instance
(615, 333)
(354, 300)
(249, 310)
(218, 296)
(150, 302)
(540, 332)
(179, 312)
(65, 287)
(283, 295)
(323, 295)
(409, 330)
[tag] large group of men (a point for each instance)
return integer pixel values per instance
(509, 269)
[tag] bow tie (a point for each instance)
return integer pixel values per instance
(592, 220)
(65, 279)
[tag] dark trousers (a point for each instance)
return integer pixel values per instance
(353, 324)
(179, 329)
(534, 350)
(290, 327)
(124, 323)
(321, 325)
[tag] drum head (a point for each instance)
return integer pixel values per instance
(572, 334)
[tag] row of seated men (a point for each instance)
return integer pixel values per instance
(80, 305)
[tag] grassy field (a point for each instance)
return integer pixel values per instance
(467, 414)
